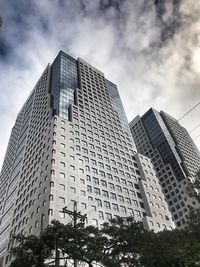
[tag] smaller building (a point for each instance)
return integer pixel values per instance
(174, 155)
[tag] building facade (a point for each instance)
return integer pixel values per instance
(71, 143)
(174, 155)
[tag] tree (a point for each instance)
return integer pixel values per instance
(89, 244)
(177, 248)
(120, 242)
(58, 238)
(124, 240)
(31, 251)
(59, 241)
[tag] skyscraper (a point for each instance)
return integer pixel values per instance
(71, 143)
(175, 157)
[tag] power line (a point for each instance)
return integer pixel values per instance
(189, 111)
(196, 137)
(75, 216)
(194, 128)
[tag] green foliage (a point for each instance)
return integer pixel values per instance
(120, 242)
(165, 248)
(31, 251)
(124, 240)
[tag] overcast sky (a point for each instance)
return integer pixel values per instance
(149, 48)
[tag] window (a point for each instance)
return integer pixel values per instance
(130, 211)
(101, 217)
(89, 189)
(113, 196)
(115, 207)
(128, 201)
(103, 183)
(94, 222)
(138, 214)
(88, 178)
(61, 200)
(72, 178)
(108, 216)
(62, 187)
(62, 164)
(93, 162)
(94, 208)
(82, 181)
(105, 193)
(81, 170)
(95, 180)
(83, 206)
(107, 204)
(72, 168)
(109, 176)
(62, 175)
(94, 170)
(61, 214)
(87, 168)
(83, 193)
(80, 161)
(62, 145)
(111, 186)
(121, 198)
(118, 188)
(72, 190)
(51, 197)
(98, 202)
(102, 173)
(97, 191)
(123, 209)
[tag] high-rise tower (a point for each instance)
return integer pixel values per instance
(175, 157)
(72, 142)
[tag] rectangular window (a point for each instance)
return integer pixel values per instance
(72, 190)
(105, 193)
(72, 168)
(97, 191)
(130, 211)
(115, 207)
(89, 189)
(62, 164)
(108, 216)
(72, 178)
(101, 217)
(61, 200)
(83, 206)
(62, 187)
(83, 193)
(62, 175)
(113, 196)
(123, 209)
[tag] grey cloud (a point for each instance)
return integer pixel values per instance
(150, 49)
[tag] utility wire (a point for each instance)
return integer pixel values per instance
(189, 111)
(196, 137)
(194, 128)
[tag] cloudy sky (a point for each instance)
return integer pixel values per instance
(149, 48)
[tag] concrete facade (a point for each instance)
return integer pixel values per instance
(72, 142)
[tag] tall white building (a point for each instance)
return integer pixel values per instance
(71, 143)
(175, 157)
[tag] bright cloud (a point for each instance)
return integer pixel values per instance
(150, 49)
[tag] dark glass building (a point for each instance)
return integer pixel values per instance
(174, 155)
